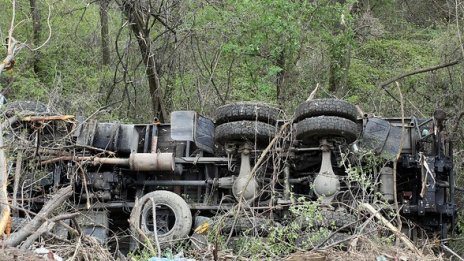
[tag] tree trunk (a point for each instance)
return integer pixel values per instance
(137, 25)
(36, 29)
(280, 78)
(105, 40)
(339, 68)
(340, 55)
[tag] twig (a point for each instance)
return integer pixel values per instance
(449, 250)
(134, 223)
(313, 93)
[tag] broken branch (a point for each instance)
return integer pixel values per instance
(57, 200)
(390, 226)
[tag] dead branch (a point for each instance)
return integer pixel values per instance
(7, 63)
(17, 175)
(395, 162)
(390, 226)
(134, 222)
(48, 118)
(313, 93)
(422, 70)
(56, 201)
(46, 226)
(4, 207)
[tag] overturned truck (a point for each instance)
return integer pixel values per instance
(163, 176)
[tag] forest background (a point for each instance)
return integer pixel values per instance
(130, 61)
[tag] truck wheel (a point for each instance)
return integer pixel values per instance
(240, 131)
(173, 217)
(310, 130)
(247, 111)
(326, 107)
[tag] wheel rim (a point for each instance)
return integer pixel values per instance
(165, 219)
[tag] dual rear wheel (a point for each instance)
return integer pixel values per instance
(315, 119)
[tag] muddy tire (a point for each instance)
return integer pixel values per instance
(247, 111)
(326, 107)
(173, 216)
(310, 130)
(240, 131)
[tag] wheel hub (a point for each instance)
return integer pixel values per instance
(326, 183)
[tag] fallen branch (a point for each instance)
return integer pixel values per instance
(134, 222)
(392, 228)
(4, 207)
(12, 48)
(395, 162)
(422, 70)
(56, 201)
(48, 118)
(46, 226)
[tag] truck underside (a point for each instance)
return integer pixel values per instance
(194, 167)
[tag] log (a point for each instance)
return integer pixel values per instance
(46, 226)
(56, 201)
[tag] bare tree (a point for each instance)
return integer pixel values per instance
(142, 17)
(36, 30)
(105, 39)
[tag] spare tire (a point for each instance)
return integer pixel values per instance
(310, 130)
(250, 111)
(326, 107)
(173, 216)
(240, 131)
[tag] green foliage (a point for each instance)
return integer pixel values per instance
(283, 239)
(262, 40)
(381, 59)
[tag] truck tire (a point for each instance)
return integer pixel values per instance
(173, 216)
(250, 111)
(326, 107)
(240, 131)
(310, 130)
